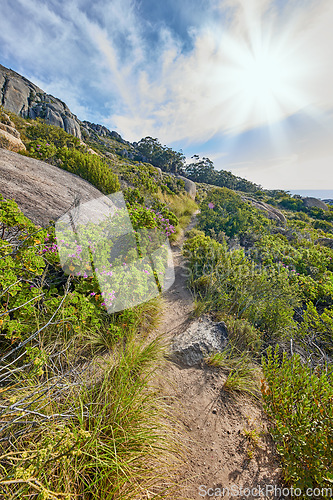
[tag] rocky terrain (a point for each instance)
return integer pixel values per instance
(42, 191)
(9, 137)
(269, 211)
(24, 98)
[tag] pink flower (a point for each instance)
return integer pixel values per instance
(211, 205)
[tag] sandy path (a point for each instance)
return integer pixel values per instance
(213, 422)
(178, 300)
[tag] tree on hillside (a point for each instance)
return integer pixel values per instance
(201, 170)
(161, 156)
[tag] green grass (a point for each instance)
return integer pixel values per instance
(105, 438)
(242, 372)
(183, 207)
(242, 335)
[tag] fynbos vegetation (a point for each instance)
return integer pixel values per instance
(80, 417)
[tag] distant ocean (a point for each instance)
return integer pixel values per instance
(323, 194)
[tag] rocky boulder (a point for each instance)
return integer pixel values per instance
(20, 96)
(202, 338)
(190, 186)
(314, 203)
(10, 141)
(43, 192)
(326, 242)
(269, 211)
(159, 172)
(9, 137)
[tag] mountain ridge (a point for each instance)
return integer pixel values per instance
(24, 98)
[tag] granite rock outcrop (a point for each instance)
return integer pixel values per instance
(42, 191)
(24, 98)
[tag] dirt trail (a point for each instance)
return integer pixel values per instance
(213, 422)
(178, 300)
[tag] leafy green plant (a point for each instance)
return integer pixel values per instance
(229, 283)
(41, 149)
(54, 145)
(39, 130)
(298, 401)
(89, 167)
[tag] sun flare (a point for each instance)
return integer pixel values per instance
(263, 79)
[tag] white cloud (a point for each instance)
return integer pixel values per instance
(145, 85)
(190, 97)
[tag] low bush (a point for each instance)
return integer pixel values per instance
(229, 283)
(298, 401)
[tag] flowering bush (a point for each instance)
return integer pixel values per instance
(142, 216)
(41, 149)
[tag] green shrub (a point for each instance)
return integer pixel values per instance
(54, 145)
(230, 283)
(90, 167)
(324, 225)
(39, 130)
(41, 149)
(223, 210)
(299, 404)
(318, 326)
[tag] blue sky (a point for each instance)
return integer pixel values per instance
(248, 83)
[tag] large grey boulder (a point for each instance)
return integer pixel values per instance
(43, 192)
(159, 172)
(202, 338)
(267, 210)
(326, 242)
(190, 186)
(22, 97)
(310, 202)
